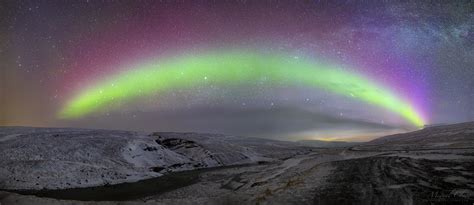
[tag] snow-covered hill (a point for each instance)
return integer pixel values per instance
(440, 137)
(57, 158)
(410, 168)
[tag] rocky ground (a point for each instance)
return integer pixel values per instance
(255, 171)
(52, 158)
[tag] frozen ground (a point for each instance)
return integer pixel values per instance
(49, 158)
(423, 167)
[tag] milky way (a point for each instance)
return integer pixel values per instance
(276, 69)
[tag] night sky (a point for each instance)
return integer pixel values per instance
(291, 70)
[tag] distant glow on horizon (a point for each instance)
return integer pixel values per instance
(234, 68)
(352, 135)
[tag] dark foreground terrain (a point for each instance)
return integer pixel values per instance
(431, 166)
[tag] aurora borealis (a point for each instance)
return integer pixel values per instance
(277, 69)
(235, 67)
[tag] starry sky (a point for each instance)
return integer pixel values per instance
(288, 70)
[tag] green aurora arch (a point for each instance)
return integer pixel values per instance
(233, 68)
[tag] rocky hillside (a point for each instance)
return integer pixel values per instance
(455, 136)
(57, 158)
